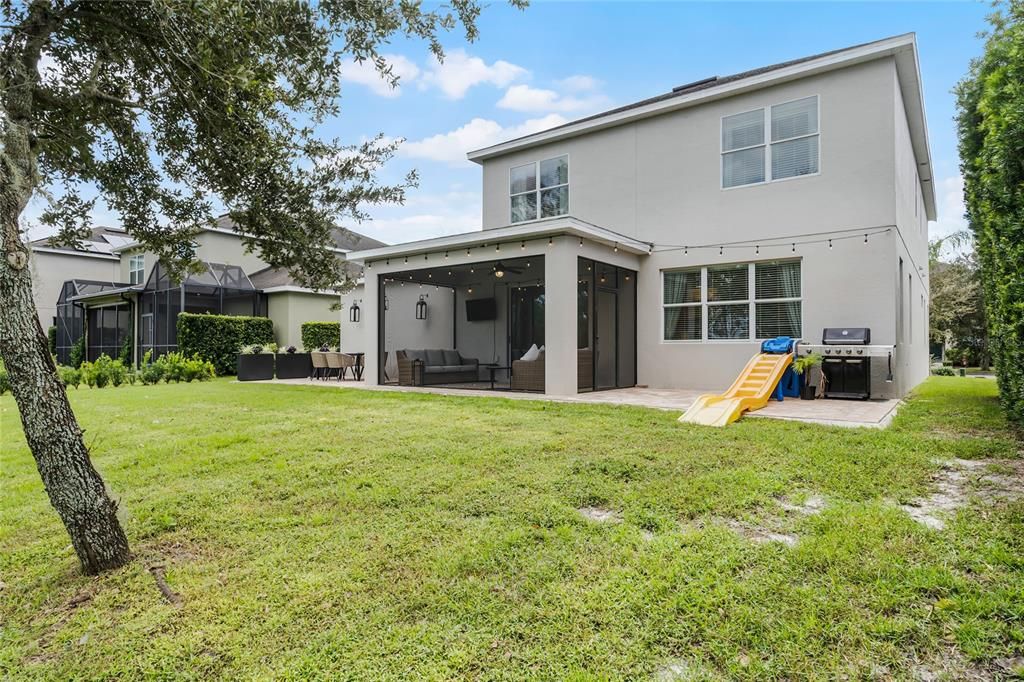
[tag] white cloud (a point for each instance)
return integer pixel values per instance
(365, 73)
(526, 98)
(459, 72)
(950, 207)
(478, 133)
(579, 83)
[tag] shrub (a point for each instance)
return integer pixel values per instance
(5, 379)
(51, 337)
(943, 372)
(70, 376)
(217, 338)
(319, 334)
(78, 352)
(125, 356)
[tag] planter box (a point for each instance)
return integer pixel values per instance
(293, 366)
(255, 367)
(808, 392)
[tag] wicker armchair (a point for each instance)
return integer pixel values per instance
(529, 376)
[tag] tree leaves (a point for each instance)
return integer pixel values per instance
(163, 105)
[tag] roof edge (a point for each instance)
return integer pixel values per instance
(828, 62)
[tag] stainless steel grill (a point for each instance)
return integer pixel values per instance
(846, 360)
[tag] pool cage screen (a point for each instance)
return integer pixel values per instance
(108, 326)
(217, 289)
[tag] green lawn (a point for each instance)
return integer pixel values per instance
(326, 533)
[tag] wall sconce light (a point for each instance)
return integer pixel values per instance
(353, 312)
(421, 309)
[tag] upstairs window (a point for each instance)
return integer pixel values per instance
(795, 138)
(136, 269)
(749, 156)
(539, 189)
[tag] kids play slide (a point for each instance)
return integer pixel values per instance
(751, 391)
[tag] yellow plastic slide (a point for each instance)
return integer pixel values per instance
(751, 391)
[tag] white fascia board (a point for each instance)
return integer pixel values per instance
(219, 230)
(291, 288)
(551, 227)
(74, 254)
(856, 55)
(908, 73)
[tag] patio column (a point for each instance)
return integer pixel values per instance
(560, 317)
(371, 326)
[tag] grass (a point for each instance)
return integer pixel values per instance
(326, 533)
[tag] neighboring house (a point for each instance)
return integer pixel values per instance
(656, 244)
(129, 299)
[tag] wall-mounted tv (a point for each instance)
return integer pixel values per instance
(481, 309)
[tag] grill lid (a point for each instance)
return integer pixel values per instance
(846, 336)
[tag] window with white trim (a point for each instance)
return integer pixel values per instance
(136, 269)
(732, 302)
(539, 189)
(749, 158)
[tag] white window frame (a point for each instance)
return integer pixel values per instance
(140, 260)
(538, 189)
(751, 301)
(767, 144)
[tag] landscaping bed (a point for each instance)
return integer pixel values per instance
(338, 533)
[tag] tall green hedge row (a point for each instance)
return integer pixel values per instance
(218, 338)
(991, 130)
(318, 334)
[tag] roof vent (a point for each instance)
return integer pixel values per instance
(703, 81)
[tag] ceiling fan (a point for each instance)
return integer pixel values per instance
(500, 269)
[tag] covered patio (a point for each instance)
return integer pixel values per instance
(548, 307)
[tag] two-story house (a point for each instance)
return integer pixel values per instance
(116, 295)
(658, 243)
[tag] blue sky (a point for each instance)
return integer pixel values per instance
(556, 61)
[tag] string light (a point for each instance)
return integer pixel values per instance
(865, 239)
(446, 255)
(424, 256)
(551, 241)
(757, 249)
(387, 262)
(794, 247)
(686, 250)
(830, 244)
(497, 248)
(406, 260)
(581, 243)
(522, 245)
(721, 250)
(616, 249)
(468, 252)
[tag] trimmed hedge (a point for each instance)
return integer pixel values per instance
(218, 338)
(318, 334)
(991, 130)
(51, 337)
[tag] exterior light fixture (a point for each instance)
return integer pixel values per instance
(406, 260)
(720, 250)
(522, 245)
(446, 255)
(497, 248)
(829, 243)
(757, 249)
(353, 311)
(865, 239)
(551, 241)
(686, 250)
(421, 309)
(470, 289)
(581, 243)
(616, 249)
(499, 270)
(468, 251)
(794, 247)
(387, 262)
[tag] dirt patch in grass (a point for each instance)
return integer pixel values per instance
(958, 479)
(600, 514)
(762, 535)
(813, 504)
(953, 667)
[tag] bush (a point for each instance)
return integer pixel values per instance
(5, 379)
(217, 338)
(125, 356)
(78, 352)
(51, 337)
(174, 367)
(70, 376)
(102, 372)
(318, 334)
(943, 372)
(989, 102)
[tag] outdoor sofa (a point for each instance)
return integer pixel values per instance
(439, 367)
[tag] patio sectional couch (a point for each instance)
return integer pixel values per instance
(528, 375)
(439, 367)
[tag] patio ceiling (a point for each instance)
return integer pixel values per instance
(512, 234)
(518, 271)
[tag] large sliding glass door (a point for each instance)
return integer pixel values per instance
(607, 326)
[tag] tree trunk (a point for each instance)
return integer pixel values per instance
(75, 488)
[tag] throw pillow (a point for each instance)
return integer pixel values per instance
(531, 354)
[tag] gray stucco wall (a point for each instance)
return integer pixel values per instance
(50, 270)
(659, 180)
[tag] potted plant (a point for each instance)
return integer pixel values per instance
(802, 367)
(293, 365)
(256, 363)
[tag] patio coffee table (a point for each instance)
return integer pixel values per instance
(494, 369)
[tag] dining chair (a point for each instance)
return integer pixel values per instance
(319, 364)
